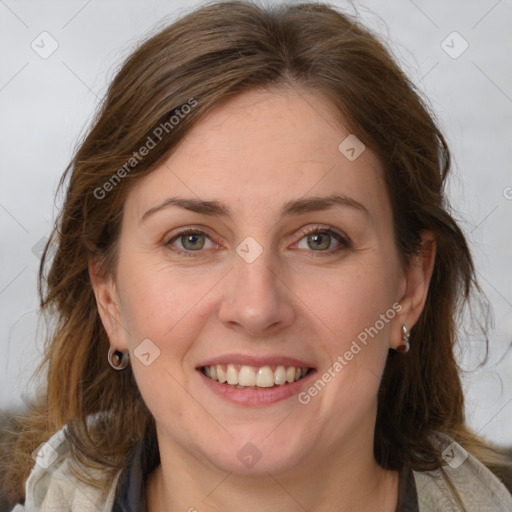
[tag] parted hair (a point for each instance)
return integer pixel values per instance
(204, 58)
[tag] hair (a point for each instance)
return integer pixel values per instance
(203, 59)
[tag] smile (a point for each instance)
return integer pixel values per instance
(242, 376)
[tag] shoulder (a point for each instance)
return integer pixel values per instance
(479, 489)
(52, 486)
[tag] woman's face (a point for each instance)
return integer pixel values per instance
(255, 295)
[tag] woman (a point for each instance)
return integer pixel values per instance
(257, 282)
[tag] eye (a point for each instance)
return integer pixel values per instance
(191, 240)
(321, 239)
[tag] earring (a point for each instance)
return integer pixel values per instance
(118, 360)
(406, 336)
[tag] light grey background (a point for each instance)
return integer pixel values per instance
(46, 104)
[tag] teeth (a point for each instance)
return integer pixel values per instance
(247, 376)
(232, 375)
(221, 375)
(265, 377)
(280, 375)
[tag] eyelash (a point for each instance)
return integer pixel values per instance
(343, 240)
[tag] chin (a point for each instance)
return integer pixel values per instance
(258, 457)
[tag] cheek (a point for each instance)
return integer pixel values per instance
(353, 309)
(356, 310)
(158, 299)
(163, 307)
(351, 299)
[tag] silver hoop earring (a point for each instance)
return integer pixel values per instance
(118, 360)
(406, 345)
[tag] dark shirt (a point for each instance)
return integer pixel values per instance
(131, 487)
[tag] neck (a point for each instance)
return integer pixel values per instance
(345, 480)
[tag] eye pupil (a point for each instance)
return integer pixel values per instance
(317, 240)
(193, 239)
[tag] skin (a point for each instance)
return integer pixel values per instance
(254, 153)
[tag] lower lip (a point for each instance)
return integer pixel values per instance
(256, 397)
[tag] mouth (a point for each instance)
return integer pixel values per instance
(255, 377)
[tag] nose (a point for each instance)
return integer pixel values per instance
(256, 298)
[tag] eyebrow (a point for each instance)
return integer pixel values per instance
(294, 207)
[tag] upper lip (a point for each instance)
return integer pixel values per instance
(248, 360)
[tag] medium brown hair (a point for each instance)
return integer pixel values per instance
(210, 55)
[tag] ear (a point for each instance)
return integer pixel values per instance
(107, 302)
(416, 286)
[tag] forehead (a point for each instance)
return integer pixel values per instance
(261, 149)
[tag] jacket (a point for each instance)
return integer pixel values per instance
(51, 487)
